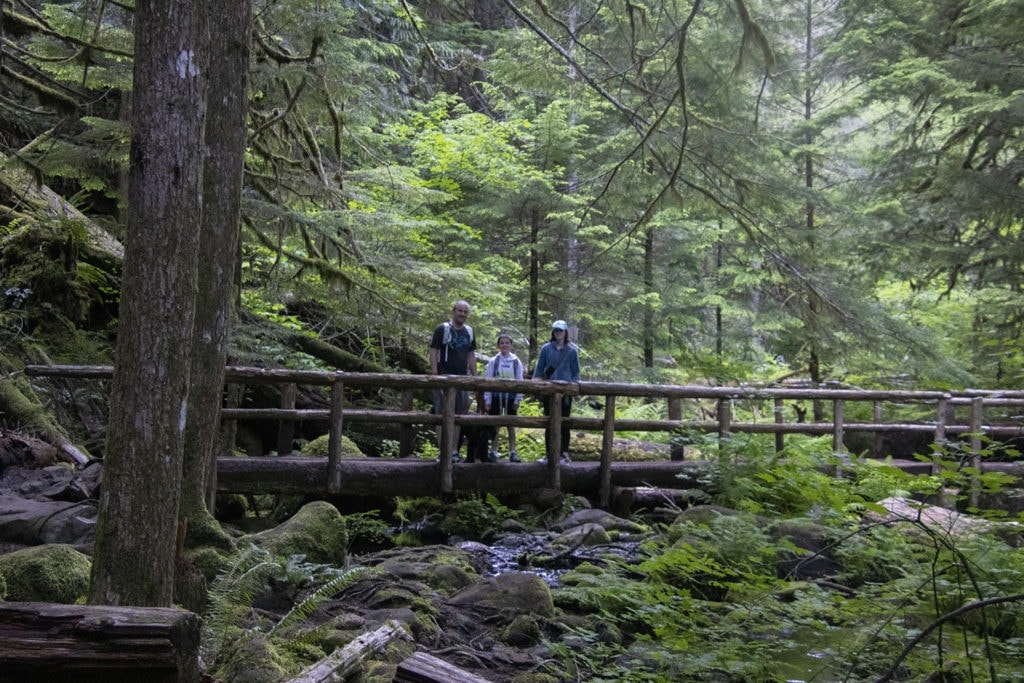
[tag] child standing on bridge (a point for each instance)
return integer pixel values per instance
(507, 365)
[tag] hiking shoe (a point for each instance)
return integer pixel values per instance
(492, 456)
(456, 457)
(565, 458)
(513, 457)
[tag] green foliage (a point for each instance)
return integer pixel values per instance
(715, 583)
(250, 575)
(692, 209)
(877, 555)
(475, 517)
(366, 528)
(790, 483)
(230, 596)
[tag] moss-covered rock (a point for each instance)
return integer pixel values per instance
(250, 659)
(316, 531)
(510, 593)
(46, 573)
(523, 631)
(317, 448)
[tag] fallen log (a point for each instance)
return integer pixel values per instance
(97, 644)
(341, 664)
(626, 500)
(424, 668)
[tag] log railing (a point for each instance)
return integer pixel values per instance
(717, 401)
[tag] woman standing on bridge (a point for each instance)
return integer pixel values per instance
(559, 361)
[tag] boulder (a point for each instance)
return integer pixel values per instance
(508, 594)
(316, 531)
(605, 520)
(27, 522)
(46, 573)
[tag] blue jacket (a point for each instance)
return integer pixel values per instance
(564, 363)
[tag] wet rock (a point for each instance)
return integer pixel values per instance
(604, 519)
(510, 593)
(582, 535)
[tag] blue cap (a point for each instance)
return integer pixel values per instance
(559, 325)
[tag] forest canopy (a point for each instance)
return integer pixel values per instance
(720, 190)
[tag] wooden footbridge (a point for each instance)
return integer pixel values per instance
(970, 419)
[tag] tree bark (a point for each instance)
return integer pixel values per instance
(226, 111)
(133, 562)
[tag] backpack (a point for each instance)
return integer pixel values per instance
(448, 338)
(493, 364)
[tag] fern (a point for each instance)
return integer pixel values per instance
(248, 575)
(231, 595)
(311, 603)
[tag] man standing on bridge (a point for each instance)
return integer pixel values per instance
(453, 352)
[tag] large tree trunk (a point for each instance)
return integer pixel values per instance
(133, 562)
(226, 112)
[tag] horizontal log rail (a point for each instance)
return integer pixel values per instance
(722, 400)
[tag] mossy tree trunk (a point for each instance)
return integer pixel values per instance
(133, 562)
(218, 254)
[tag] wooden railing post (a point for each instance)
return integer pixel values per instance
(838, 447)
(554, 442)
(607, 443)
(226, 437)
(939, 442)
(337, 390)
(675, 412)
(876, 415)
(286, 428)
(448, 439)
(406, 434)
(977, 417)
(724, 421)
(778, 410)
